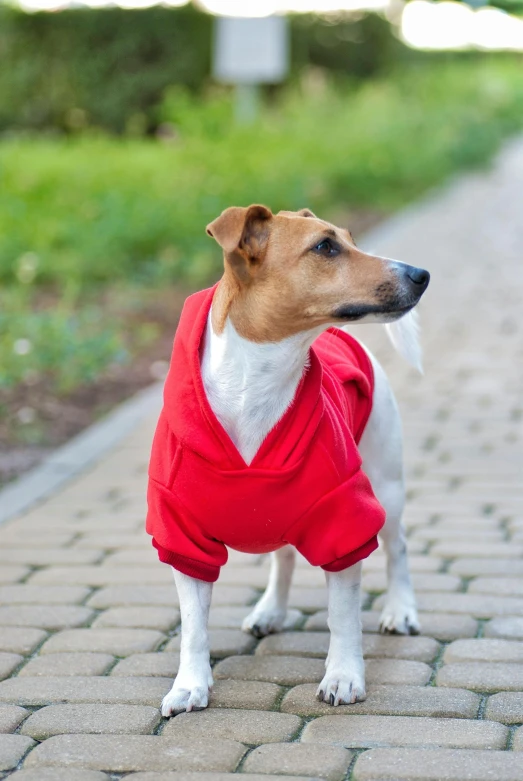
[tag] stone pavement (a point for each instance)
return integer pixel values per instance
(88, 618)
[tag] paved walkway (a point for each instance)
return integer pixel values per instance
(88, 635)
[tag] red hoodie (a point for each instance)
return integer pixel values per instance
(305, 485)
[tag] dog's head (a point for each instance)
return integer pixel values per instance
(298, 272)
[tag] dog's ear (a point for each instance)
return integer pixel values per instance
(243, 234)
(300, 213)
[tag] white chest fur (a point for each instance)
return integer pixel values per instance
(249, 385)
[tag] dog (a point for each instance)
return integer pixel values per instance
(280, 431)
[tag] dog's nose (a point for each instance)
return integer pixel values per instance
(419, 276)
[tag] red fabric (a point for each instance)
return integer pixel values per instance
(305, 485)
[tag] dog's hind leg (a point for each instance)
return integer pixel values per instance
(399, 615)
(270, 612)
(381, 450)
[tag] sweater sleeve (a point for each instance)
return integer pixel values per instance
(177, 535)
(342, 527)
(178, 538)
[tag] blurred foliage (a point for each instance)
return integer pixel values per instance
(84, 210)
(103, 67)
(358, 45)
(512, 6)
(33, 344)
(109, 67)
(69, 340)
(88, 213)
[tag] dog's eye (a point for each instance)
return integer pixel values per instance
(326, 247)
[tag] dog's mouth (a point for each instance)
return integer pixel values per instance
(397, 314)
(354, 312)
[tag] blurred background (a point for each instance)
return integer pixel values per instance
(126, 127)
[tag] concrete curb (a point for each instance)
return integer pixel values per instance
(76, 455)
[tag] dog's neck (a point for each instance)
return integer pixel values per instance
(250, 385)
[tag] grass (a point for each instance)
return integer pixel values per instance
(92, 213)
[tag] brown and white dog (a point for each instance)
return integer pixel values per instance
(288, 277)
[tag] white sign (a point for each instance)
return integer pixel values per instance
(250, 51)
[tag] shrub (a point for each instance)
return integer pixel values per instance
(103, 67)
(66, 345)
(109, 68)
(97, 209)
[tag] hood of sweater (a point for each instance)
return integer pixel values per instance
(193, 422)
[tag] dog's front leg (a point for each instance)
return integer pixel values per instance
(192, 685)
(344, 680)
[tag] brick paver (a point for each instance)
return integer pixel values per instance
(159, 665)
(42, 595)
(89, 620)
(441, 626)
(223, 642)
(17, 640)
(8, 663)
(209, 776)
(285, 670)
(96, 719)
(511, 628)
(246, 726)
(484, 649)
(506, 707)
(126, 753)
(315, 644)
(45, 616)
(12, 749)
(12, 574)
(245, 694)
(482, 676)
(373, 731)
(120, 642)
(442, 765)
(518, 740)
(68, 664)
(57, 774)
(38, 557)
(10, 717)
(161, 618)
(43, 690)
(389, 701)
(298, 758)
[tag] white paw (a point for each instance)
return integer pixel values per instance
(265, 620)
(186, 697)
(400, 617)
(342, 686)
